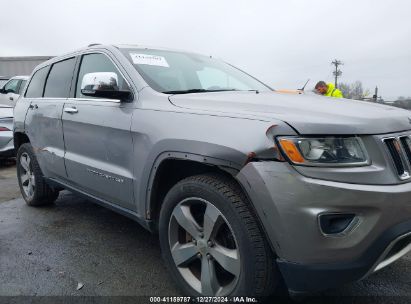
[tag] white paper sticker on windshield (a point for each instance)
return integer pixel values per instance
(149, 59)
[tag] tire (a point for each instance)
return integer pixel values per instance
(33, 187)
(238, 254)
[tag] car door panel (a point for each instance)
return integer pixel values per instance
(98, 142)
(45, 130)
(43, 123)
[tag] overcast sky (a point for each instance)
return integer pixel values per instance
(283, 43)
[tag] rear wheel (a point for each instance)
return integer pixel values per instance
(33, 187)
(211, 241)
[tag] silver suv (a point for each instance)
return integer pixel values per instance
(246, 187)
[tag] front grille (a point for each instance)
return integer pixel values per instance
(406, 144)
(399, 149)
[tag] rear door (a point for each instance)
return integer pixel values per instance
(98, 155)
(48, 89)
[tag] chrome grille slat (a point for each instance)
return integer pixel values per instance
(400, 154)
(406, 147)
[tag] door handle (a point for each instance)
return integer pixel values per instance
(72, 110)
(11, 98)
(32, 106)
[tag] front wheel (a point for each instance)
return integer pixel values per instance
(211, 240)
(33, 187)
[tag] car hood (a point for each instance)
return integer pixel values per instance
(307, 113)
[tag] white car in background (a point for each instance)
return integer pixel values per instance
(11, 90)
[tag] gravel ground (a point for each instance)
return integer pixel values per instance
(8, 181)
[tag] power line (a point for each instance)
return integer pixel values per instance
(337, 71)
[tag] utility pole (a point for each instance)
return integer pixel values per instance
(337, 71)
(375, 96)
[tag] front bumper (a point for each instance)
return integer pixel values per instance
(301, 278)
(289, 205)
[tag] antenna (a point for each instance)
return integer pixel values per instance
(302, 89)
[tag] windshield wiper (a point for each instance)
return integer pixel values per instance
(196, 91)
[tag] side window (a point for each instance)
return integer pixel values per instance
(36, 85)
(93, 63)
(22, 86)
(12, 86)
(59, 79)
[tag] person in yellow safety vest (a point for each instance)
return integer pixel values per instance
(328, 89)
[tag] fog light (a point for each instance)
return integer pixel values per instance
(335, 223)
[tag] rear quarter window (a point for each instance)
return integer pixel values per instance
(36, 85)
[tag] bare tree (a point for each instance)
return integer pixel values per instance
(345, 89)
(354, 90)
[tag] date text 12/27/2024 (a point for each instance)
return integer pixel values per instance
(203, 300)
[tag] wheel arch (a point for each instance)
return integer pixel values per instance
(193, 164)
(164, 175)
(20, 138)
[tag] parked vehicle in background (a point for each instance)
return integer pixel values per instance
(12, 89)
(244, 185)
(400, 103)
(6, 132)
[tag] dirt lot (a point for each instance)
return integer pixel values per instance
(48, 251)
(8, 181)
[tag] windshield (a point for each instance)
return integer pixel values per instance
(174, 72)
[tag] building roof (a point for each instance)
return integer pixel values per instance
(22, 65)
(25, 58)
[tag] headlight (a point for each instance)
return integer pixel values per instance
(325, 151)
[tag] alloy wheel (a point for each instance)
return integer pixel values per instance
(203, 247)
(27, 175)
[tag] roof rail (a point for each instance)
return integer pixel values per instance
(93, 44)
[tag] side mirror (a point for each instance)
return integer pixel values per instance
(103, 84)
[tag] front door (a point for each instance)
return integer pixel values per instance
(98, 155)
